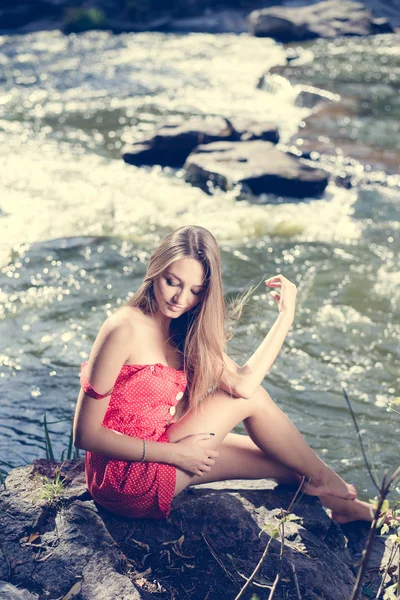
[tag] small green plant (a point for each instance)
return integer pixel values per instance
(69, 453)
(72, 452)
(390, 512)
(274, 530)
(277, 530)
(384, 516)
(51, 490)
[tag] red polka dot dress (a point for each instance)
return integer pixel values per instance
(142, 405)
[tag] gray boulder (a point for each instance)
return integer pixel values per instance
(256, 165)
(216, 534)
(326, 19)
(171, 144)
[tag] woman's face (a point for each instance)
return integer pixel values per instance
(180, 287)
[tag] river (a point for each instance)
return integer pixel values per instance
(78, 225)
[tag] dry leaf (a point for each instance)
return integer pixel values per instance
(180, 541)
(141, 544)
(74, 591)
(144, 574)
(180, 554)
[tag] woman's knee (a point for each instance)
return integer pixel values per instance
(260, 398)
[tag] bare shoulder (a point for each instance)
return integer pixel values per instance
(133, 321)
(131, 318)
(146, 340)
(114, 335)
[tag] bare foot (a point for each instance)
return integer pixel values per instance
(360, 511)
(357, 510)
(330, 484)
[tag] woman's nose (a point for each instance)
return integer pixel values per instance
(179, 297)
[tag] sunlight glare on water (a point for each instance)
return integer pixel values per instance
(64, 195)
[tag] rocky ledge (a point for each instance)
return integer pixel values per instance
(56, 543)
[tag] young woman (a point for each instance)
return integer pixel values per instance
(159, 396)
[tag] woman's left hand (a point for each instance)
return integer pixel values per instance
(285, 294)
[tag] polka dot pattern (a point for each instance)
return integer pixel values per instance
(142, 405)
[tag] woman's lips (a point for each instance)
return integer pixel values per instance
(174, 308)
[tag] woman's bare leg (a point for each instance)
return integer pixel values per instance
(272, 432)
(237, 452)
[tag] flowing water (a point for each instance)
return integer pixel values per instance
(77, 224)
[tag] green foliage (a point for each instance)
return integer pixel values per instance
(72, 452)
(392, 404)
(77, 20)
(391, 592)
(51, 490)
(48, 446)
(274, 529)
(69, 453)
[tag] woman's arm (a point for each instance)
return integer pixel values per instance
(247, 378)
(110, 351)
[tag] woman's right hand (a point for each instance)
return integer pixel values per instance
(191, 456)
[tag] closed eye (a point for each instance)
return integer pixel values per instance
(172, 284)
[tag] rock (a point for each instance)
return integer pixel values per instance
(247, 130)
(310, 97)
(171, 144)
(389, 9)
(211, 542)
(52, 550)
(10, 592)
(322, 135)
(257, 165)
(326, 19)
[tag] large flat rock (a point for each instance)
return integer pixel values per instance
(212, 541)
(258, 165)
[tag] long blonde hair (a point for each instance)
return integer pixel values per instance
(199, 334)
